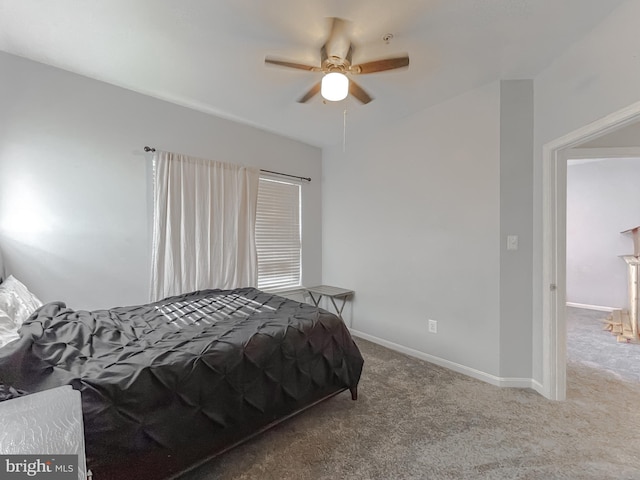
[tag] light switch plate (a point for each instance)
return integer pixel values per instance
(512, 242)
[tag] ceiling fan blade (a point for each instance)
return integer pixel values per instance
(310, 94)
(381, 65)
(283, 63)
(358, 92)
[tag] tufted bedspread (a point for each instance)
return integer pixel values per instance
(167, 384)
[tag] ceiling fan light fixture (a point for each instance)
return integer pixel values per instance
(335, 86)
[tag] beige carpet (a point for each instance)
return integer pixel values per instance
(415, 420)
(588, 344)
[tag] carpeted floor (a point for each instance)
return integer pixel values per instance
(415, 420)
(589, 345)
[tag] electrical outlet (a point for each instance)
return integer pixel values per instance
(433, 326)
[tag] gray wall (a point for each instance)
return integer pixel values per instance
(430, 202)
(75, 185)
(602, 201)
(411, 222)
(516, 207)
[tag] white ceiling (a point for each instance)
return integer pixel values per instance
(209, 54)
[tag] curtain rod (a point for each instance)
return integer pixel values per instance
(308, 179)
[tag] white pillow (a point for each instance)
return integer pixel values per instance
(8, 329)
(17, 304)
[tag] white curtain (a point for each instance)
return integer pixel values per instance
(204, 225)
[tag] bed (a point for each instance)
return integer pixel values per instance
(169, 384)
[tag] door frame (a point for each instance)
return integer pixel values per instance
(554, 227)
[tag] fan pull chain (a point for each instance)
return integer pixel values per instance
(344, 131)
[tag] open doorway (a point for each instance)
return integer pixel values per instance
(602, 201)
(555, 156)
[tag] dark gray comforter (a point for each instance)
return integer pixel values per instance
(166, 384)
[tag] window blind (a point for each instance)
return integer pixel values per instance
(278, 235)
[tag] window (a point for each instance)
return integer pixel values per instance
(278, 235)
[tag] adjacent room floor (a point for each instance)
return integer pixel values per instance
(589, 345)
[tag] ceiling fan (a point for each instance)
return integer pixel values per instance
(335, 63)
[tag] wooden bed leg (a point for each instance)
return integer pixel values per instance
(354, 393)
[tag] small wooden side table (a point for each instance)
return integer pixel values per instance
(332, 293)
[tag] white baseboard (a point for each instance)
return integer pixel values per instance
(537, 386)
(456, 367)
(592, 307)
